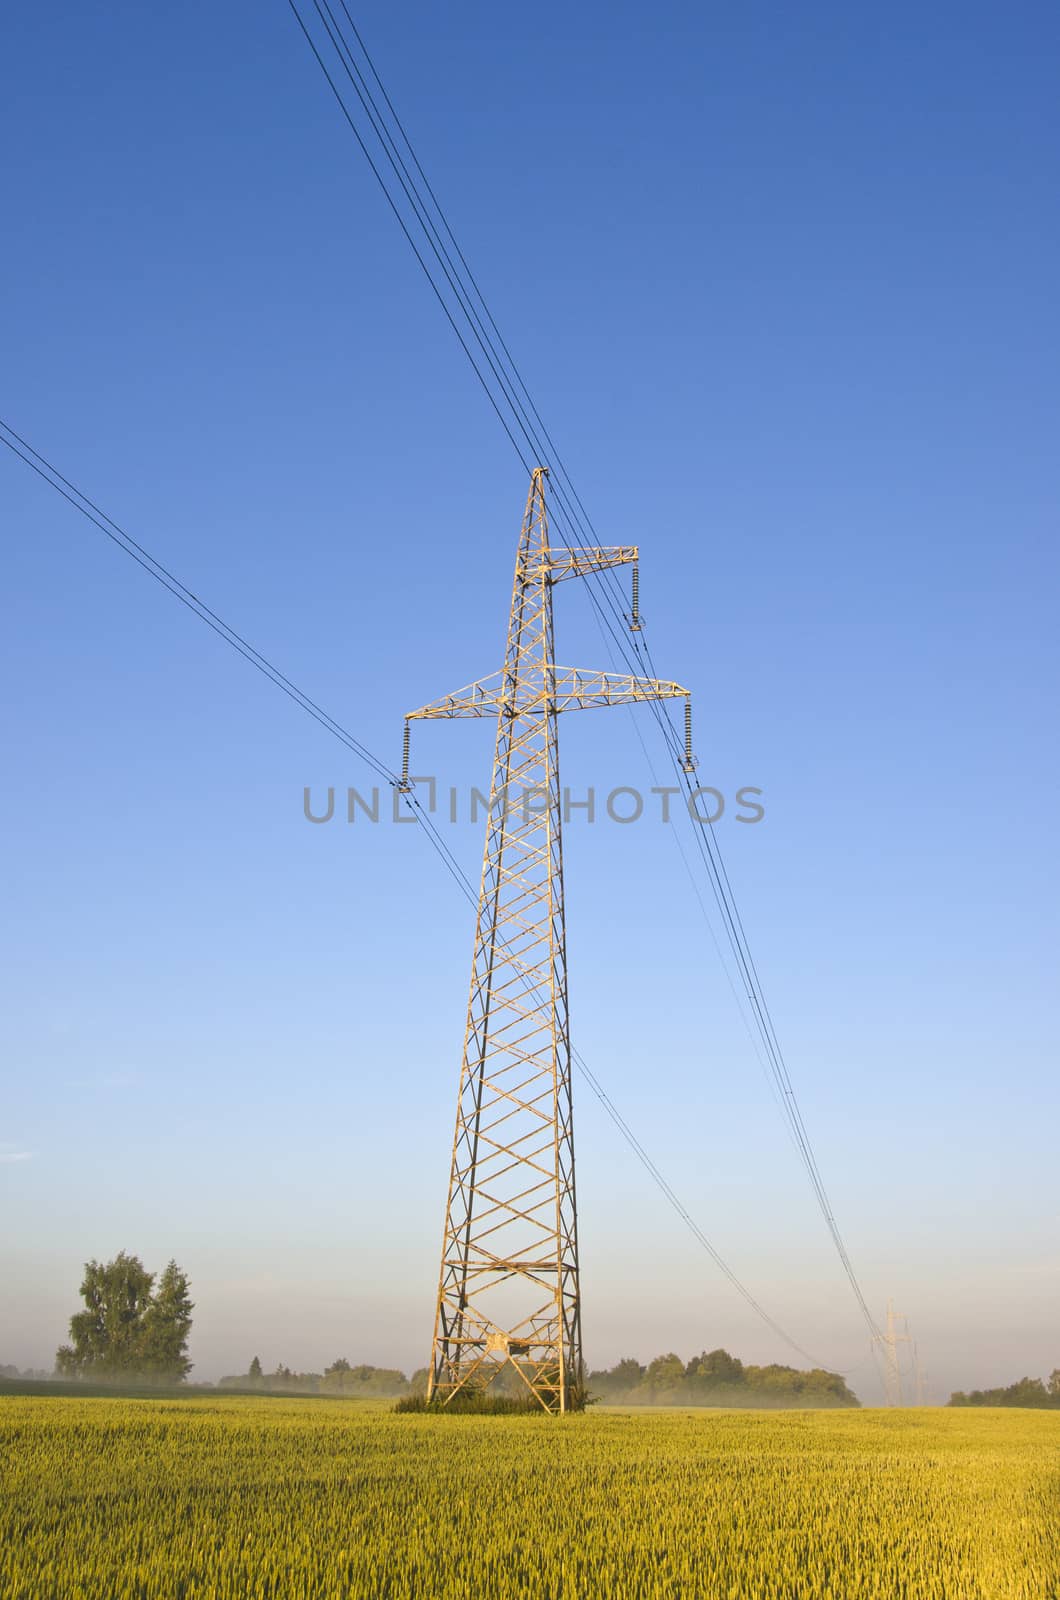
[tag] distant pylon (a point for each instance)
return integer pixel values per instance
(508, 1294)
(889, 1341)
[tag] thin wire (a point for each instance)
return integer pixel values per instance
(554, 455)
(533, 439)
(124, 541)
(401, 222)
(710, 854)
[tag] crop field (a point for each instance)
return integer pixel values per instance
(222, 1499)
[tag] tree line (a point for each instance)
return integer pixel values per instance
(716, 1378)
(341, 1378)
(136, 1325)
(1024, 1392)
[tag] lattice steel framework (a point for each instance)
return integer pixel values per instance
(508, 1294)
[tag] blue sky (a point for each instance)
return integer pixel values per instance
(782, 281)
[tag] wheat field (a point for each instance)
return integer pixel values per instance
(226, 1499)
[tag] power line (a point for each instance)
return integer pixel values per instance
(124, 541)
(461, 283)
(715, 866)
(405, 230)
(129, 546)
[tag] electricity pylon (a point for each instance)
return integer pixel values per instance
(508, 1292)
(892, 1365)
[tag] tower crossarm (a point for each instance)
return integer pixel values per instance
(579, 561)
(575, 689)
(483, 698)
(558, 689)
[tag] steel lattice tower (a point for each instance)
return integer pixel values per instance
(889, 1342)
(508, 1295)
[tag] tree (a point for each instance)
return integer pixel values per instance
(716, 1378)
(255, 1369)
(166, 1327)
(127, 1327)
(716, 1367)
(1025, 1392)
(666, 1373)
(363, 1380)
(106, 1334)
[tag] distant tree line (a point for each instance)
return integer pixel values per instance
(341, 1378)
(716, 1378)
(711, 1379)
(1026, 1392)
(135, 1324)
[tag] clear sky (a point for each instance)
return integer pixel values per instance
(783, 282)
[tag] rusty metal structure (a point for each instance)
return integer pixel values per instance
(509, 1302)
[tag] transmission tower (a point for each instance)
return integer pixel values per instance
(889, 1341)
(508, 1296)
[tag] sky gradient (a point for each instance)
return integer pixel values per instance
(783, 284)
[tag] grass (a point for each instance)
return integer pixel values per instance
(473, 1404)
(227, 1498)
(124, 1389)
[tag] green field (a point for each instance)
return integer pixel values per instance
(215, 1498)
